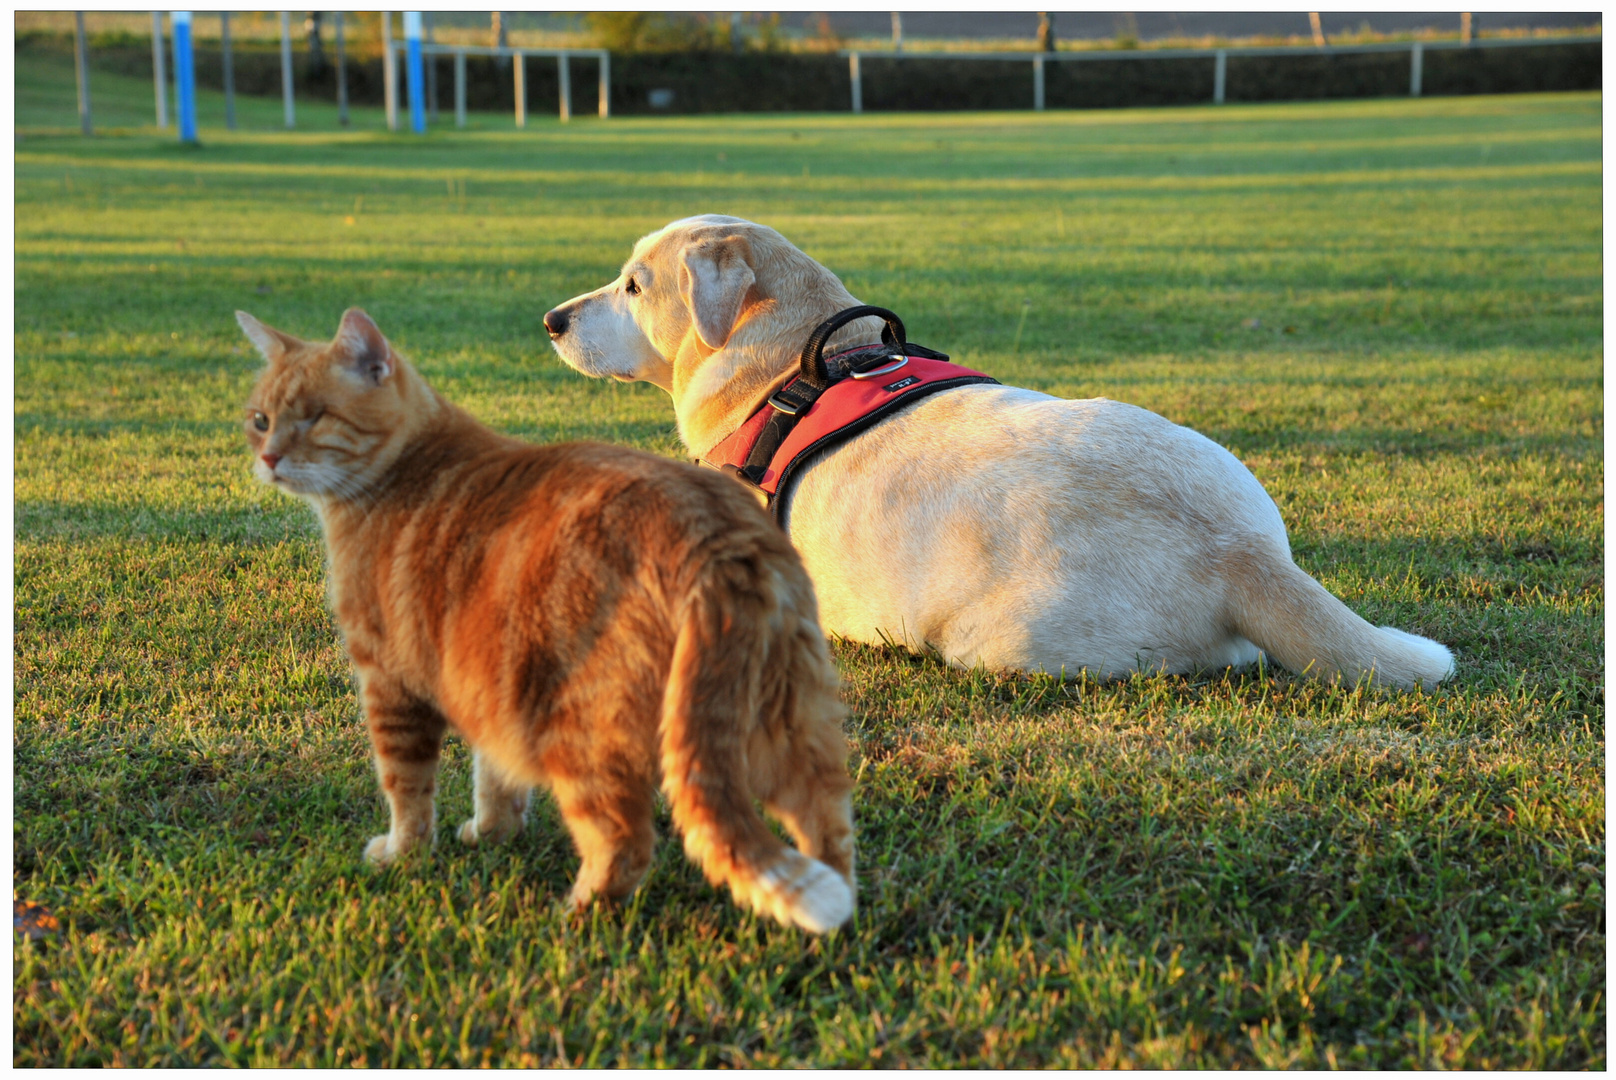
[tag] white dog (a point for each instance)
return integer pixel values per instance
(998, 525)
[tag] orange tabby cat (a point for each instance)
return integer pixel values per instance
(588, 617)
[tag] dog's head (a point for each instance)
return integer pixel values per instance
(707, 308)
(683, 290)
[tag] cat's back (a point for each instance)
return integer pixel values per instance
(558, 508)
(595, 559)
(621, 495)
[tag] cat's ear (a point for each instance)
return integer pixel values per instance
(361, 344)
(270, 341)
(714, 278)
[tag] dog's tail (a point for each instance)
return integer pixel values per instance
(1279, 608)
(709, 713)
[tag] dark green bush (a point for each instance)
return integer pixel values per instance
(724, 81)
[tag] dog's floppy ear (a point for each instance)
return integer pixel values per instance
(714, 276)
(270, 341)
(360, 342)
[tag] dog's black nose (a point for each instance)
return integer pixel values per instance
(555, 321)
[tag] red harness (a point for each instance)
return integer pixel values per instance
(815, 411)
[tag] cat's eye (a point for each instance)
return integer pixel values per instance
(632, 288)
(260, 421)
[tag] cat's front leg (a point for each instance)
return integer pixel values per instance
(501, 804)
(407, 737)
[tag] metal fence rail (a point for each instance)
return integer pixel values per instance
(519, 68)
(413, 50)
(1220, 58)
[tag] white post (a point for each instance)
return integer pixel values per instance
(431, 69)
(564, 73)
(1416, 61)
(227, 60)
(414, 81)
(1038, 84)
(460, 88)
(605, 84)
(520, 68)
(158, 72)
(1220, 76)
(389, 72)
(858, 87)
(286, 69)
(81, 69)
(897, 31)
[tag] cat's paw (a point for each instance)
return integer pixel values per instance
(586, 893)
(580, 896)
(381, 850)
(473, 834)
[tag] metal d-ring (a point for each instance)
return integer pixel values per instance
(902, 360)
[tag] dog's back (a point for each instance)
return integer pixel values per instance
(1118, 540)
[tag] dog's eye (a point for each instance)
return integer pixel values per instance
(632, 288)
(260, 421)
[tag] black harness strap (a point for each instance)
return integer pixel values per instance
(793, 400)
(813, 379)
(777, 504)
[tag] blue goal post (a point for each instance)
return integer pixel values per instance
(184, 76)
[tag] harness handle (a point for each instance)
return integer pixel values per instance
(814, 371)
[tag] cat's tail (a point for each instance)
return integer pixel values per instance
(710, 731)
(1280, 608)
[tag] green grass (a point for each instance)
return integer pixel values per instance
(1233, 870)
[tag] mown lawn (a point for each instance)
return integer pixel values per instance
(1390, 310)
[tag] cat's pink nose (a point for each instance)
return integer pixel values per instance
(270, 460)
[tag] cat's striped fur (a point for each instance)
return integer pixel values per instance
(591, 618)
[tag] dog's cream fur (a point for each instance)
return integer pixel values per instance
(998, 525)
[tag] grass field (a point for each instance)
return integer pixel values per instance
(1390, 310)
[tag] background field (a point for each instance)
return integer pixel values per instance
(1391, 311)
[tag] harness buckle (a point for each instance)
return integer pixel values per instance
(789, 400)
(789, 408)
(871, 373)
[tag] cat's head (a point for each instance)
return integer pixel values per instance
(326, 419)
